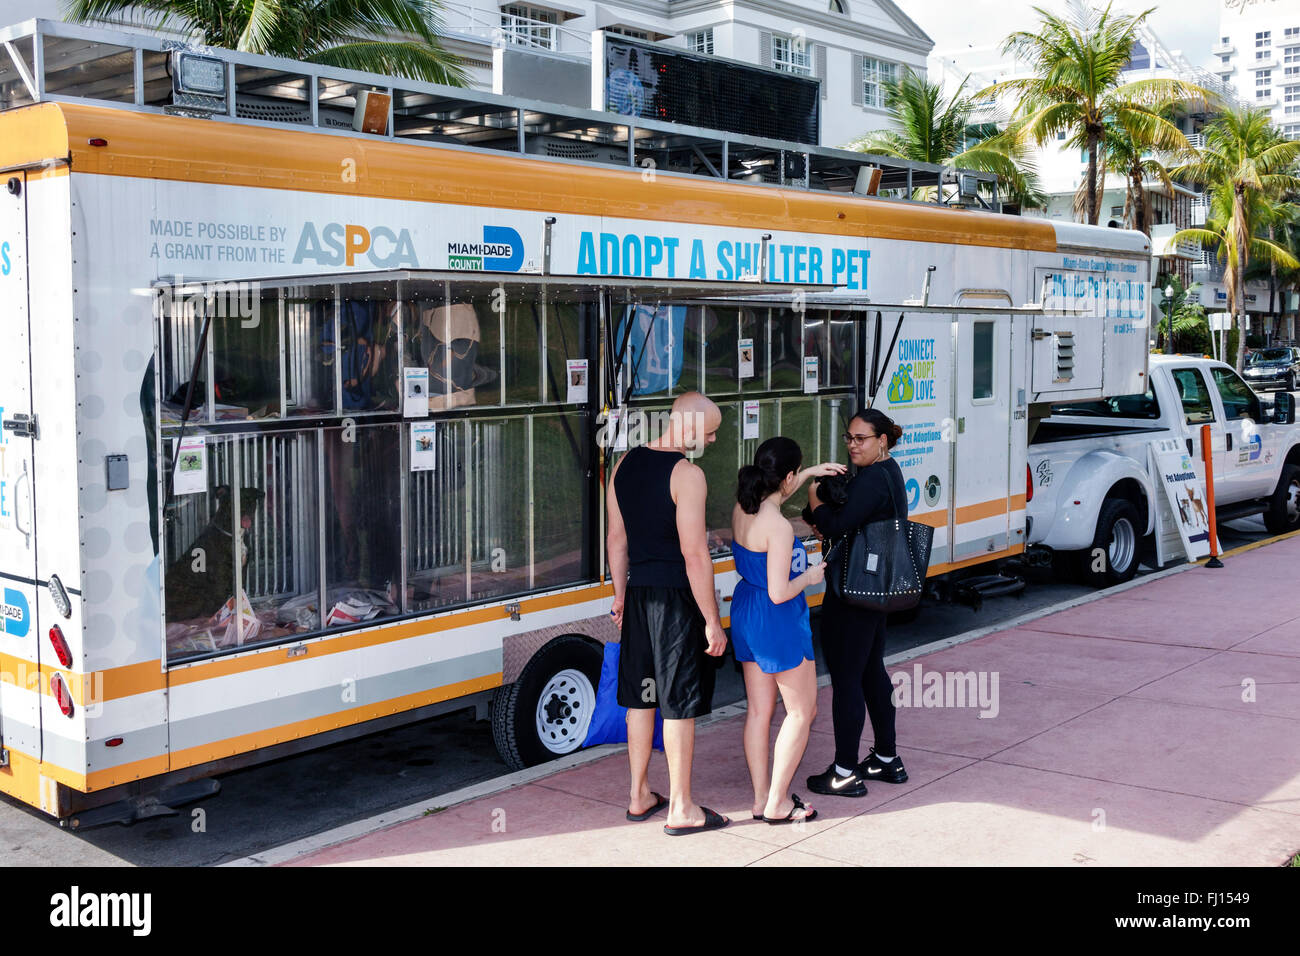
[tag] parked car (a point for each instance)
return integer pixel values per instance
(1277, 367)
(1089, 480)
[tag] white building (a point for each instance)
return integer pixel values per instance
(1258, 53)
(850, 45)
(1062, 170)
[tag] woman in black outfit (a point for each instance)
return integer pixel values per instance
(853, 639)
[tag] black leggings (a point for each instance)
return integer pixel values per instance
(853, 641)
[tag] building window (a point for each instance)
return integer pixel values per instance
(1291, 54)
(792, 55)
(700, 41)
(1224, 60)
(1263, 77)
(529, 26)
(1291, 71)
(1263, 55)
(1291, 94)
(1290, 32)
(876, 75)
(1291, 131)
(1263, 38)
(1262, 94)
(629, 32)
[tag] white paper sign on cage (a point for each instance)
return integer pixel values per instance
(577, 378)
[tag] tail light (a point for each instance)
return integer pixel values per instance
(1029, 484)
(61, 694)
(60, 646)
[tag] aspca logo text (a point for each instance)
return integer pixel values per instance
(337, 244)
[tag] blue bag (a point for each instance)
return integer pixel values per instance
(609, 722)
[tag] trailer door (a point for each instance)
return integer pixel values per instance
(981, 485)
(19, 644)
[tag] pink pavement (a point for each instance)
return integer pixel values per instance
(1157, 726)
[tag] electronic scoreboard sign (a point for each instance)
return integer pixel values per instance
(661, 83)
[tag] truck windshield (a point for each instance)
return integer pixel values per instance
(1142, 406)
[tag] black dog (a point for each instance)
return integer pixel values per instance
(198, 594)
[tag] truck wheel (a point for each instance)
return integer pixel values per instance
(546, 712)
(1283, 512)
(1119, 539)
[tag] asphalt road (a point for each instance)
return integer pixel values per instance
(266, 806)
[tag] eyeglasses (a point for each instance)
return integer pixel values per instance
(857, 439)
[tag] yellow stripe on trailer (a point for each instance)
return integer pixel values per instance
(153, 146)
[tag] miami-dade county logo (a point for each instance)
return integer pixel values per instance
(502, 250)
(15, 613)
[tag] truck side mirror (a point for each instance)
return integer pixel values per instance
(1284, 409)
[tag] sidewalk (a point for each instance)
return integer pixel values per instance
(1109, 716)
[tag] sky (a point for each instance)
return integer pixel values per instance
(1190, 26)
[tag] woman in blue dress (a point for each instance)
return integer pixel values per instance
(769, 623)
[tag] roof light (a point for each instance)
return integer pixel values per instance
(198, 82)
(204, 75)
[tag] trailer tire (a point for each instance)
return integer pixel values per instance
(1119, 538)
(1283, 512)
(545, 713)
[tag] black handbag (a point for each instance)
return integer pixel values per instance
(881, 566)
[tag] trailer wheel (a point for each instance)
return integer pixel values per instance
(1119, 539)
(545, 713)
(1283, 512)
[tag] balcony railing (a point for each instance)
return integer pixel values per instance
(496, 28)
(1222, 49)
(1164, 246)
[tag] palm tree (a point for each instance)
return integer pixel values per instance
(932, 129)
(1124, 153)
(1078, 63)
(353, 34)
(1248, 168)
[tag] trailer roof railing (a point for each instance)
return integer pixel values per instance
(51, 61)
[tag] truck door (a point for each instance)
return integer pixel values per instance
(1249, 470)
(19, 644)
(1199, 409)
(981, 479)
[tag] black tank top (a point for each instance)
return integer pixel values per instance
(650, 516)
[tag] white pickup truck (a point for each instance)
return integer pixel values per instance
(1088, 480)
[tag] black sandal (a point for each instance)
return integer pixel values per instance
(712, 821)
(659, 804)
(790, 817)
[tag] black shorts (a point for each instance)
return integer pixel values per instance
(662, 662)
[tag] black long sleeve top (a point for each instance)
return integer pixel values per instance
(868, 500)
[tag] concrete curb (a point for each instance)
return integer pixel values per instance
(337, 835)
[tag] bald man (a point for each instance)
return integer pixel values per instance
(665, 606)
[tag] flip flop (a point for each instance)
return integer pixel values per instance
(660, 802)
(790, 817)
(712, 821)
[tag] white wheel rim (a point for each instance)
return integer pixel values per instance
(1123, 542)
(564, 711)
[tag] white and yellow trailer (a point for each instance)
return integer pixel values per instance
(115, 209)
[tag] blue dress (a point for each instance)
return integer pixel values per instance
(777, 637)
